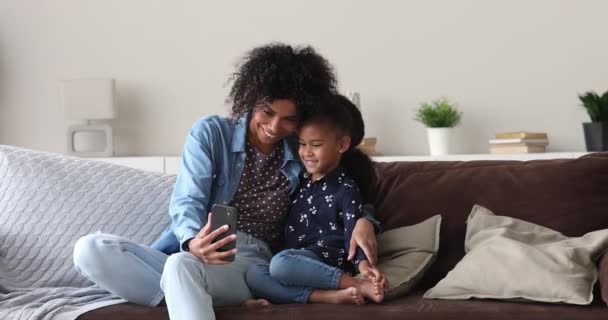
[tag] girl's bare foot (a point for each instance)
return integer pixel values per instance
(378, 288)
(344, 296)
(371, 290)
(255, 303)
(349, 296)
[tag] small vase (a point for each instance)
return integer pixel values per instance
(596, 136)
(439, 140)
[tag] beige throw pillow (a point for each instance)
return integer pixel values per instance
(508, 258)
(405, 253)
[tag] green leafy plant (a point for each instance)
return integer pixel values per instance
(596, 106)
(438, 114)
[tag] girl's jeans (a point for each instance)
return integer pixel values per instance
(140, 274)
(291, 277)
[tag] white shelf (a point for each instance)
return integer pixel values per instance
(154, 164)
(171, 164)
(483, 156)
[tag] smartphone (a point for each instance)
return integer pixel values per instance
(224, 215)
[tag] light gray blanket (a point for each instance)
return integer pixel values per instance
(47, 202)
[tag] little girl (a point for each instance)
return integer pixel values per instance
(323, 213)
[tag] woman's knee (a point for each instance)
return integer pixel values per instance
(90, 253)
(183, 262)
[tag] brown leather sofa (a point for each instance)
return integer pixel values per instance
(570, 196)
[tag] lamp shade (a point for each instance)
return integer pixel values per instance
(87, 99)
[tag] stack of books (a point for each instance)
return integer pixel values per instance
(519, 142)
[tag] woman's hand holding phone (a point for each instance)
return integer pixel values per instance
(204, 247)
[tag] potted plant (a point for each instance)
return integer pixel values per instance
(439, 117)
(596, 131)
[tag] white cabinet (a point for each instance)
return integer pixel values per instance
(484, 156)
(154, 164)
(171, 164)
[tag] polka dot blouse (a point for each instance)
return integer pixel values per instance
(262, 196)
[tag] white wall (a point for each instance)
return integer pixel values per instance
(510, 65)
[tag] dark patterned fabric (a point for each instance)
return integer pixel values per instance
(322, 218)
(263, 195)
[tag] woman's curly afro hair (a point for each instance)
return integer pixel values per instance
(279, 71)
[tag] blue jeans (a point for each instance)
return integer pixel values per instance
(144, 275)
(291, 277)
(123, 267)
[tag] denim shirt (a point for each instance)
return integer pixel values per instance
(213, 159)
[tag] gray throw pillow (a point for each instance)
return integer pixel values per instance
(508, 258)
(404, 255)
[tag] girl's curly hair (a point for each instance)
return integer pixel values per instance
(279, 71)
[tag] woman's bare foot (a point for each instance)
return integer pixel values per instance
(255, 303)
(371, 290)
(344, 296)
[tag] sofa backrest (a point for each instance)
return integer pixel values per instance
(569, 195)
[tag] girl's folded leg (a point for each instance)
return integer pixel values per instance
(300, 267)
(264, 286)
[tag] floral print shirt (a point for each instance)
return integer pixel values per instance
(322, 218)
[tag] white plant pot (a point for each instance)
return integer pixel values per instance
(439, 140)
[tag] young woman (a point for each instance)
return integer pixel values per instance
(221, 163)
(322, 218)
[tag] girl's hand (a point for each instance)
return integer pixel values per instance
(372, 274)
(205, 249)
(363, 236)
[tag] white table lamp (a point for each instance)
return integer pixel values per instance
(87, 100)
